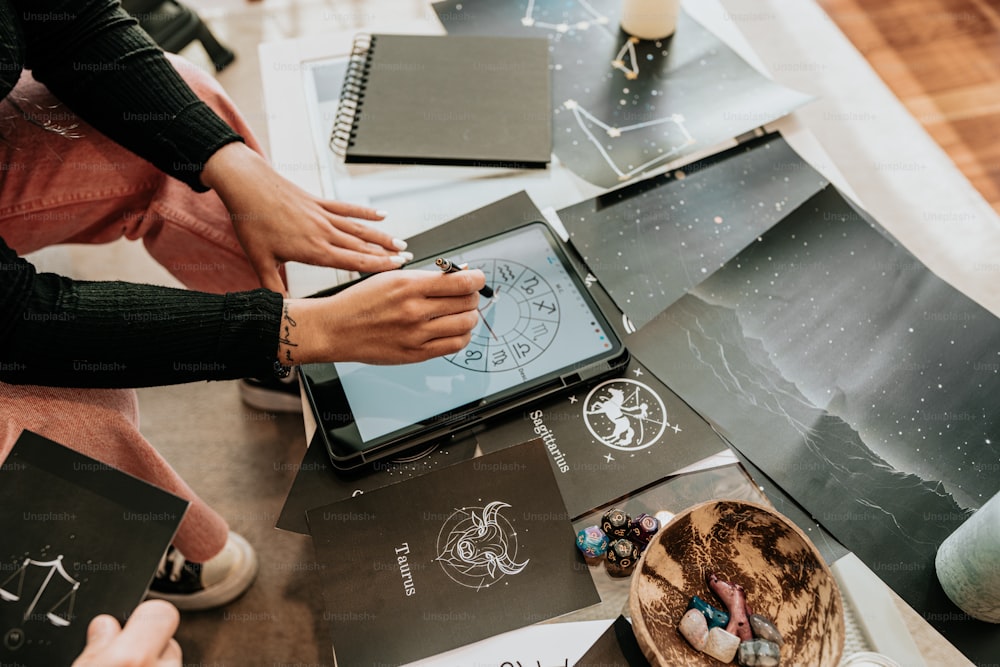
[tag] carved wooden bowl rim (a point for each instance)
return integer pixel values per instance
(827, 655)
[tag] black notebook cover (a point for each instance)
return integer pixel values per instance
(77, 539)
(427, 99)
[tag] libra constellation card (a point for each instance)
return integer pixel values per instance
(79, 539)
(446, 559)
(624, 107)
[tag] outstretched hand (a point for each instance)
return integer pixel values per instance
(145, 641)
(276, 221)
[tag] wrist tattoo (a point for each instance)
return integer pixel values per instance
(286, 331)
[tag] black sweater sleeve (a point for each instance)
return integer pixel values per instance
(94, 57)
(58, 332)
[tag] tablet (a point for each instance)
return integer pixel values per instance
(539, 333)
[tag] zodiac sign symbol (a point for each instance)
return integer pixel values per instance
(627, 421)
(477, 546)
(55, 614)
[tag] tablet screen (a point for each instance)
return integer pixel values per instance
(537, 324)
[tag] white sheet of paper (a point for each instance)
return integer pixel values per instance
(549, 645)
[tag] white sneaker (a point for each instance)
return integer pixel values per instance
(216, 582)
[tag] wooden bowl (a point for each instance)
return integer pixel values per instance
(746, 543)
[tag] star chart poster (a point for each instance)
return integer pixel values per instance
(650, 242)
(79, 539)
(610, 438)
(857, 380)
(448, 558)
(623, 107)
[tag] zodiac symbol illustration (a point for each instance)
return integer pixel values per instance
(625, 414)
(59, 613)
(477, 546)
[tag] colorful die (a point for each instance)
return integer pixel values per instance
(592, 542)
(642, 529)
(621, 557)
(615, 523)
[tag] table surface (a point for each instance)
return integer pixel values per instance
(856, 133)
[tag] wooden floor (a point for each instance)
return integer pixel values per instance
(942, 59)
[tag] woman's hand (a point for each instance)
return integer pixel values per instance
(276, 221)
(395, 317)
(145, 641)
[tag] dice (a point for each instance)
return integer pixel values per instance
(592, 542)
(642, 529)
(621, 557)
(616, 523)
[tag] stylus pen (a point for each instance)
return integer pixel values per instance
(448, 266)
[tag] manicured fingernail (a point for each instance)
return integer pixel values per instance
(381, 214)
(397, 259)
(406, 255)
(400, 244)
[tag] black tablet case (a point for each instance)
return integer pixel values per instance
(319, 378)
(426, 99)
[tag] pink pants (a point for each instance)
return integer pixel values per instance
(78, 186)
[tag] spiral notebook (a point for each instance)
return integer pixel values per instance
(446, 100)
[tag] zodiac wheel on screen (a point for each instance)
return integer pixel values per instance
(516, 325)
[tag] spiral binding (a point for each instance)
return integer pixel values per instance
(352, 94)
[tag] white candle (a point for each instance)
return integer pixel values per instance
(650, 19)
(968, 563)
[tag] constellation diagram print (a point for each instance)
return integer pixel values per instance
(625, 414)
(660, 99)
(677, 138)
(630, 66)
(516, 325)
(477, 546)
(593, 17)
